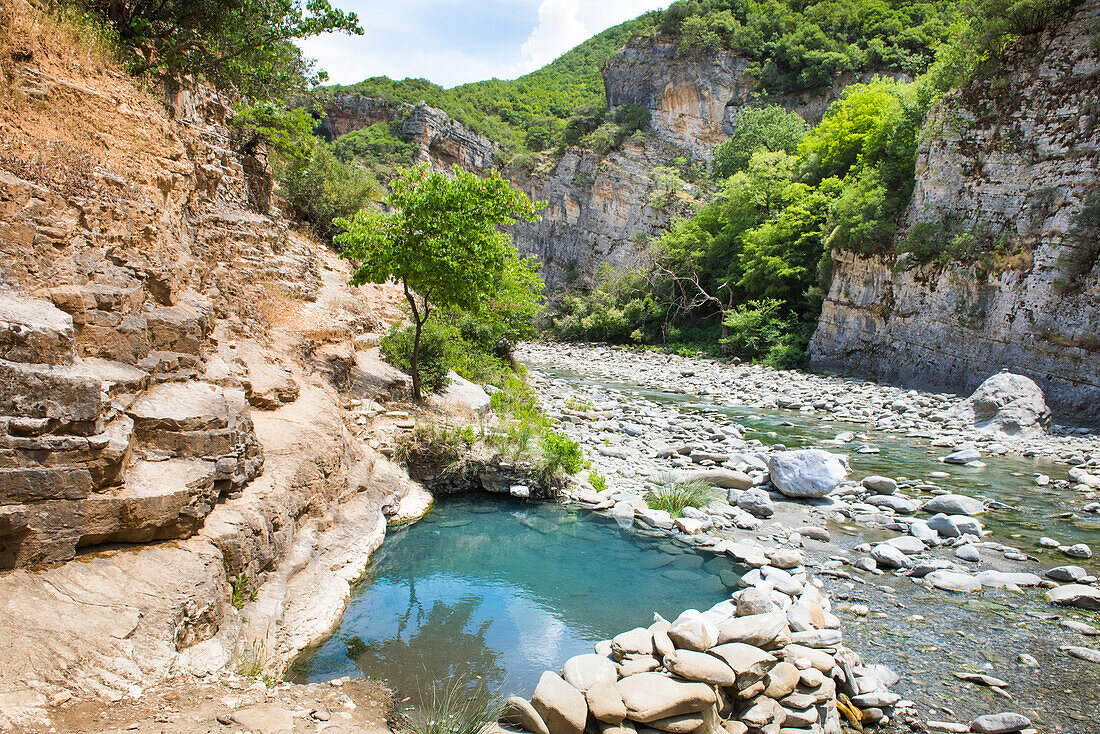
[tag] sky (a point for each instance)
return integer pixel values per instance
(453, 42)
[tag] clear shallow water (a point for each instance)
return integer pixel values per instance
(502, 590)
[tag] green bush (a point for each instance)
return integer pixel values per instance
(378, 147)
(438, 344)
(560, 456)
(771, 128)
(321, 189)
(756, 327)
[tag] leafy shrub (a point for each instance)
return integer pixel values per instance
(756, 327)
(674, 497)
(771, 128)
(376, 146)
(321, 189)
(631, 119)
(560, 456)
(438, 342)
(434, 444)
(597, 480)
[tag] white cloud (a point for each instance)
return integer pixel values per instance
(565, 23)
(559, 29)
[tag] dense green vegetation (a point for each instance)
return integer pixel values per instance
(746, 273)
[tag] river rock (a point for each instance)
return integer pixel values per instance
(880, 485)
(701, 667)
(782, 680)
(1007, 404)
(583, 671)
(605, 703)
(652, 696)
(1066, 573)
(896, 502)
(954, 581)
(806, 473)
(1079, 550)
(968, 553)
(638, 641)
(520, 712)
(750, 663)
(887, 556)
(753, 601)
(759, 630)
(693, 631)
(1075, 595)
(1002, 723)
(724, 478)
(562, 707)
(756, 502)
(954, 504)
(763, 712)
(1082, 653)
(964, 456)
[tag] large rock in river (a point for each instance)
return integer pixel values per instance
(806, 472)
(1006, 403)
(562, 707)
(652, 696)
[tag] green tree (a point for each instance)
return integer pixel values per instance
(441, 238)
(243, 45)
(771, 128)
(321, 189)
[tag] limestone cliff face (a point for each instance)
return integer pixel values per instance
(600, 209)
(694, 103)
(1013, 157)
(443, 141)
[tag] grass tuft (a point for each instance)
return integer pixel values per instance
(674, 497)
(454, 708)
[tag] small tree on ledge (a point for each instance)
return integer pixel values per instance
(441, 238)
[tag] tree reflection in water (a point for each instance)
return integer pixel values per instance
(468, 657)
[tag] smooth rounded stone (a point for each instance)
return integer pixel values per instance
(818, 639)
(1087, 654)
(781, 581)
(880, 485)
(561, 706)
(635, 664)
(800, 721)
(520, 712)
(806, 473)
(734, 727)
(758, 630)
(887, 556)
(753, 601)
(1081, 627)
(954, 581)
(756, 502)
(1005, 404)
(680, 724)
(652, 696)
(1075, 595)
(922, 568)
(662, 643)
(818, 659)
(582, 671)
(1003, 723)
(724, 478)
(750, 663)
(896, 502)
(954, 504)
(762, 712)
(701, 667)
(1080, 550)
(693, 631)
(876, 699)
(638, 641)
(815, 533)
(688, 561)
(1066, 573)
(907, 544)
(968, 553)
(1001, 579)
(966, 525)
(920, 530)
(963, 456)
(786, 559)
(865, 564)
(781, 680)
(605, 703)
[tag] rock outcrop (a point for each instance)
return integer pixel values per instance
(1012, 158)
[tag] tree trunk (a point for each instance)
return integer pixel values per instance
(414, 362)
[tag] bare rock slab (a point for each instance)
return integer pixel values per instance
(34, 331)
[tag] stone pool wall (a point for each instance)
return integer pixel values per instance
(762, 663)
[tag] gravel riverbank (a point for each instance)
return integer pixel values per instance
(899, 504)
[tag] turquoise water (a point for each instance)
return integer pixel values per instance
(489, 588)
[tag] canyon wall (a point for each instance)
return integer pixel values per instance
(1013, 158)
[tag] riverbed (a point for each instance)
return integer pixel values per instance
(626, 407)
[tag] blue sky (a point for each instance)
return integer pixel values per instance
(458, 41)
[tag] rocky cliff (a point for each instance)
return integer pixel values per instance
(694, 102)
(1011, 159)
